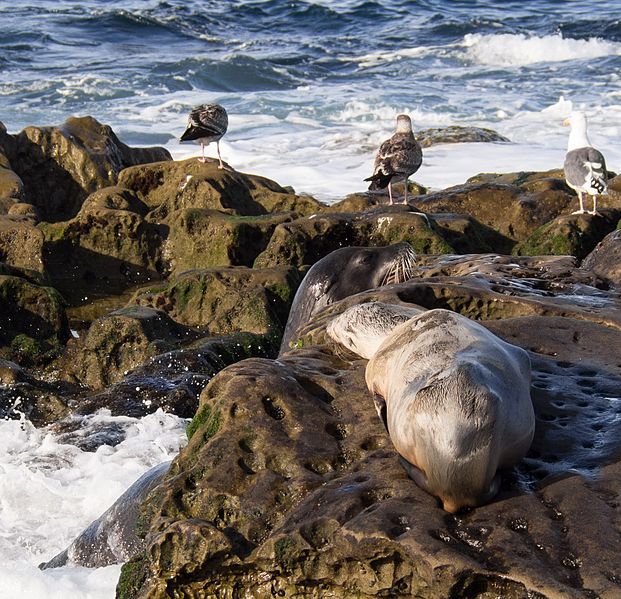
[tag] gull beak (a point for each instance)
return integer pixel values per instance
(566, 123)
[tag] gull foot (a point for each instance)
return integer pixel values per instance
(203, 160)
(225, 167)
(578, 211)
(595, 213)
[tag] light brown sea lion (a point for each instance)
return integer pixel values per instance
(455, 400)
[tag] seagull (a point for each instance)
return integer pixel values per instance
(397, 158)
(207, 123)
(585, 167)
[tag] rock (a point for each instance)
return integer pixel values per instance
(306, 240)
(200, 238)
(21, 245)
(511, 211)
(24, 209)
(573, 234)
(173, 381)
(11, 186)
(227, 299)
(34, 324)
(290, 485)
(108, 241)
(605, 259)
(360, 202)
(190, 184)
(122, 341)
(457, 134)
(61, 166)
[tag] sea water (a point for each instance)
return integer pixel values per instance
(312, 88)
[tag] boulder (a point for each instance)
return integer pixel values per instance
(572, 234)
(605, 259)
(34, 323)
(11, 186)
(173, 380)
(180, 185)
(21, 245)
(201, 238)
(226, 299)
(119, 342)
(61, 166)
(108, 241)
(512, 211)
(307, 240)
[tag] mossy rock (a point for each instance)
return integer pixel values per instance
(307, 240)
(61, 166)
(200, 238)
(108, 241)
(34, 322)
(226, 299)
(180, 185)
(605, 259)
(512, 211)
(120, 342)
(572, 235)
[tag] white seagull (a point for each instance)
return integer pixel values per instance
(207, 123)
(397, 158)
(585, 167)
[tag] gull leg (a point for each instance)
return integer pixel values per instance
(405, 191)
(202, 159)
(390, 192)
(220, 166)
(594, 211)
(581, 211)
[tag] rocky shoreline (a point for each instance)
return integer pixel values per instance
(134, 282)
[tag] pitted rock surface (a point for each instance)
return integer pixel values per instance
(290, 485)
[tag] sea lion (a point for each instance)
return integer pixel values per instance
(345, 272)
(363, 327)
(455, 400)
(113, 537)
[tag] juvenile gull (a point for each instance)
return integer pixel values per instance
(207, 123)
(397, 158)
(585, 167)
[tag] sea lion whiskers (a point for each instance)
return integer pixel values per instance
(402, 269)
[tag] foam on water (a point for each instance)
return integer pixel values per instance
(51, 490)
(508, 50)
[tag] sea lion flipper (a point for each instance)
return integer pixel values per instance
(380, 406)
(415, 473)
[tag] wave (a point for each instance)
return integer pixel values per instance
(507, 50)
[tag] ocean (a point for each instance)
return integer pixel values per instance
(312, 88)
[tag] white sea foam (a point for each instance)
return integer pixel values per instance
(56, 490)
(507, 49)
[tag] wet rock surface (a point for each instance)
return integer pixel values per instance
(290, 485)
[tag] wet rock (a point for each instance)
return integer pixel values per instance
(173, 381)
(201, 238)
(61, 166)
(457, 134)
(605, 259)
(573, 234)
(34, 323)
(226, 300)
(360, 202)
(307, 240)
(24, 209)
(108, 241)
(290, 485)
(181, 185)
(119, 342)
